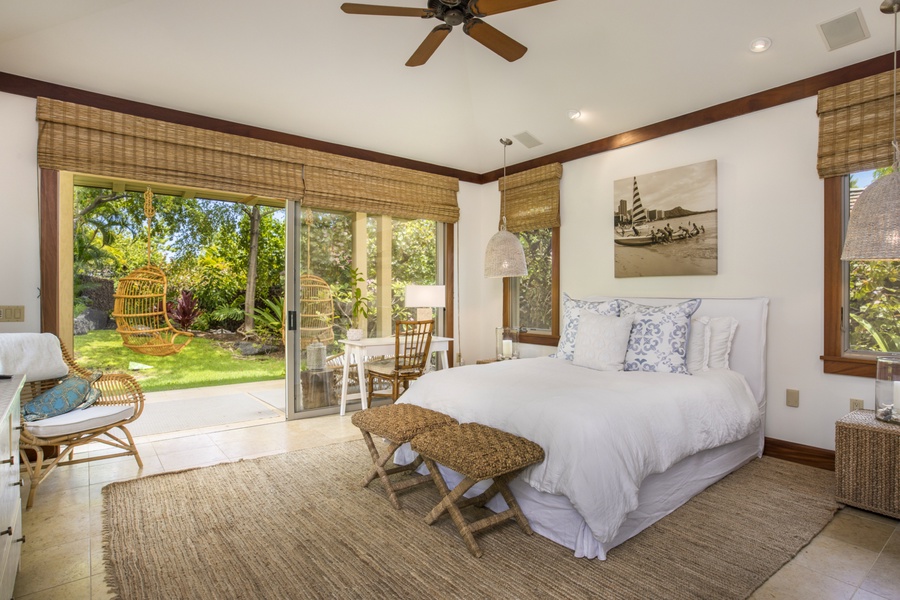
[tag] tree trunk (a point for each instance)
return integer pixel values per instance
(250, 296)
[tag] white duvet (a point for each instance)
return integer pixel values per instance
(602, 432)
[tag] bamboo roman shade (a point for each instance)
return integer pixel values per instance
(91, 140)
(855, 126)
(532, 198)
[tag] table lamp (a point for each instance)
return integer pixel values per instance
(424, 298)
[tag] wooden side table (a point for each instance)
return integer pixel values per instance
(867, 463)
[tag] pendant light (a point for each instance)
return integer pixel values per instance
(505, 256)
(873, 231)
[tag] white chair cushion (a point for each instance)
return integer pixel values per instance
(80, 420)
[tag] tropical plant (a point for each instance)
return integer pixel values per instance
(228, 316)
(185, 311)
(269, 320)
(360, 301)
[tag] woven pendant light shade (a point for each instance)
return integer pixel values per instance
(504, 256)
(873, 232)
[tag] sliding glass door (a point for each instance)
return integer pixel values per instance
(333, 260)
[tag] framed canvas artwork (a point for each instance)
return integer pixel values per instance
(666, 222)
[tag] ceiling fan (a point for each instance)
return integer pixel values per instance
(455, 12)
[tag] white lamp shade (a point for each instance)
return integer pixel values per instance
(426, 296)
(504, 256)
(873, 232)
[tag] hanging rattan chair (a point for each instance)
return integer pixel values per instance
(316, 311)
(316, 302)
(140, 306)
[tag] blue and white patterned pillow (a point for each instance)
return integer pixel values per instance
(572, 314)
(659, 334)
(70, 393)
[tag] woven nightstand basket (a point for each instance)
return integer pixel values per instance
(867, 463)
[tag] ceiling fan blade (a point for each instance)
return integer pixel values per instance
(428, 46)
(494, 39)
(352, 8)
(482, 8)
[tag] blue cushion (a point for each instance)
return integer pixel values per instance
(659, 334)
(71, 393)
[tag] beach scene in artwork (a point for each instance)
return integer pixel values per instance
(666, 223)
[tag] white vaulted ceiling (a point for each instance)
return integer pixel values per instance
(306, 68)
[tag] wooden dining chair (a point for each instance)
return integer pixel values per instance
(412, 349)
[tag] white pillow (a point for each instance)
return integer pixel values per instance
(658, 336)
(698, 345)
(572, 310)
(721, 334)
(601, 341)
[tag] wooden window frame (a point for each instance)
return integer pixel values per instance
(541, 339)
(833, 359)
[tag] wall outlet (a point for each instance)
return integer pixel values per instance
(856, 404)
(792, 398)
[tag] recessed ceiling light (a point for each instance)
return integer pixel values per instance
(760, 44)
(574, 114)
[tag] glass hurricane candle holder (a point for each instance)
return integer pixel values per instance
(507, 343)
(887, 389)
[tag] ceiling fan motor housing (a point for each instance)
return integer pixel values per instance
(450, 11)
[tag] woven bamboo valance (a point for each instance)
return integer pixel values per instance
(90, 140)
(532, 198)
(856, 126)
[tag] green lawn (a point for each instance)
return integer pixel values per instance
(199, 364)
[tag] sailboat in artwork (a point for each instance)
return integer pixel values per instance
(638, 217)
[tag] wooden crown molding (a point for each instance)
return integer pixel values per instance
(804, 88)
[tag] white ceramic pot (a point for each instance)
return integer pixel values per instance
(354, 334)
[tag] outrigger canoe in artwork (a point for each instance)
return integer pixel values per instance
(646, 240)
(639, 217)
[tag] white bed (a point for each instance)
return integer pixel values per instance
(561, 497)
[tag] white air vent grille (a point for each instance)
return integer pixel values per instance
(845, 30)
(528, 140)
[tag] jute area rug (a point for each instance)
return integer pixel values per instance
(299, 525)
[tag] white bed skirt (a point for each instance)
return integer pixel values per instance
(553, 516)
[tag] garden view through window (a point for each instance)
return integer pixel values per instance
(205, 248)
(531, 296)
(871, 290)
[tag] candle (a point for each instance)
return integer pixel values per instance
(507, 348)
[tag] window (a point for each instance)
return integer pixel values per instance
(862, 298)
(531, 303)
(872, 290)
(398, 252)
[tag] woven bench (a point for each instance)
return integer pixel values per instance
(397, 423)
(477, 452)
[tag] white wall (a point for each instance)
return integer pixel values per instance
(770, 202)
(20, 275)
(770, 244)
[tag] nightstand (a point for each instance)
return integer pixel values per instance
(867, 463)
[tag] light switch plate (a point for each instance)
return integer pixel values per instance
(12, 314)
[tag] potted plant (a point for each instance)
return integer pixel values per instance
(360, 306)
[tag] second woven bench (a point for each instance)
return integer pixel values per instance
(477, 452)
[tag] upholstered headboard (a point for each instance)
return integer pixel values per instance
(748, 350)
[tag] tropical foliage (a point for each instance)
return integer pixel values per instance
(874, 301)
(535, 289)
(205, 247)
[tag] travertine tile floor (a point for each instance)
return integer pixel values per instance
(856, 556)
